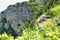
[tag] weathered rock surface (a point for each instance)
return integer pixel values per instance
(42, 18)
(6, 26)
(15, 15)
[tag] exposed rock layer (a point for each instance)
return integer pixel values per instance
(14, 16)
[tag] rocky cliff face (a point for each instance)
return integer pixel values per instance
(15, 16)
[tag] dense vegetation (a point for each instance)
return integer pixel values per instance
(31, 31)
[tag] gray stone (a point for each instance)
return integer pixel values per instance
(0, 16)
(6, 26)
(15, 16)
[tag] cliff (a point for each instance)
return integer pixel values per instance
(14, 16)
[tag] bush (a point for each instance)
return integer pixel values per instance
(6, 37)
(2, 30)
(49, 32)
(55, 11)
(9, 31)
(58, 22)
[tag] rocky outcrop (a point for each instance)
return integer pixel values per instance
(16, 15)
(42, 18)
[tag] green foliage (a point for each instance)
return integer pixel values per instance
(45, 33)
(58, 22)
(9, 31)
(31, 31)
(2, 30)
(3, 20)
(27, 24)
(6, 37)
(36, 8)
(55, 11)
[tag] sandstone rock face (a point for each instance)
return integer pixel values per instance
(15, 16)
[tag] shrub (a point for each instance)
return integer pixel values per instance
(55, 11)
(58, 22)
(2, 30)
(6, 37)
